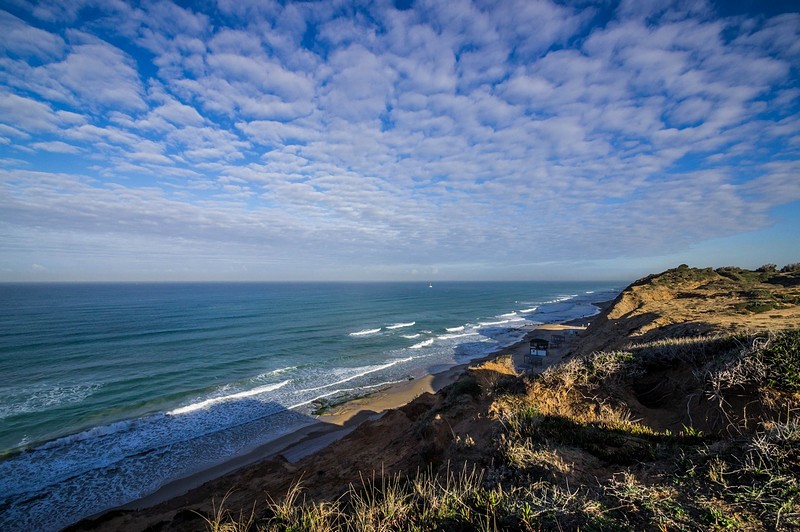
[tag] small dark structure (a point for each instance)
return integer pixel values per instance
(538, 350)
(557, 340)
(539, 347)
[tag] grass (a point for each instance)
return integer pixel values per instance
(569, 454)
(684, 273)
(781, 354)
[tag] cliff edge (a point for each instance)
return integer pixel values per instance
(686, 301)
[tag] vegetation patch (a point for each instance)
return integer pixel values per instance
(568, 453)
(683, 274)
(781, 354)
(467, 385)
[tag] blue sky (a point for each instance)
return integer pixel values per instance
(259, 140)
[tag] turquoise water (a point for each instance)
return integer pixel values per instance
(108, 391)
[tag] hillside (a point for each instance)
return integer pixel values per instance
(676, 409)
(690, 301)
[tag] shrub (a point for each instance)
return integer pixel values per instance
(465, 386)
(782, 356)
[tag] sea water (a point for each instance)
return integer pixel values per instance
(110, 391)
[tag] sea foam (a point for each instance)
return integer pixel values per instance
(366, 332)
(359, 372)
(43, 398)
(214, 400)
(401, 325)
(423, 343)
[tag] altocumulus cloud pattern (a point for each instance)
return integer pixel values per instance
(281, 140)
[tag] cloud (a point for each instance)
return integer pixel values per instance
(179, 114)
(100, 73)
(459, 133)
(23, 40)
(93, 74)
(33, 116)
(56, 147)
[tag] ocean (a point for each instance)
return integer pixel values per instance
(110, 391)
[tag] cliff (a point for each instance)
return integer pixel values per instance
(676, 410)
(689, 301)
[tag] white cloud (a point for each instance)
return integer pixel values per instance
(30, 115)
(372, 136)
(179, 114)
(52, 10)
(100, 73)
(56, 147)
(21, 39)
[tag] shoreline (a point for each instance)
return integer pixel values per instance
(305, 440)
(339, 422)
(486, 420)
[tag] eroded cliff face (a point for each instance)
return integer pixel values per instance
(689, 301)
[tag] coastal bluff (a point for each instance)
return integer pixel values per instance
(691, 301)
(676, 408)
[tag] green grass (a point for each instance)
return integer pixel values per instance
(781, 354)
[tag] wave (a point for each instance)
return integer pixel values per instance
(452, 336)
(366, 371)
(94, 432)
(507, 315)
(366, 332)
(411, 336)
(214, 400)
(454, 329)
(501, 322)
(528, 310)
(274, 373)
(401, 325)
(345, 390)
(423, 343)
(281, 370)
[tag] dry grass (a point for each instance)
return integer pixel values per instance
(221, 520)
(569, 454)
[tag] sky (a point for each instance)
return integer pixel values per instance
(236, 140)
